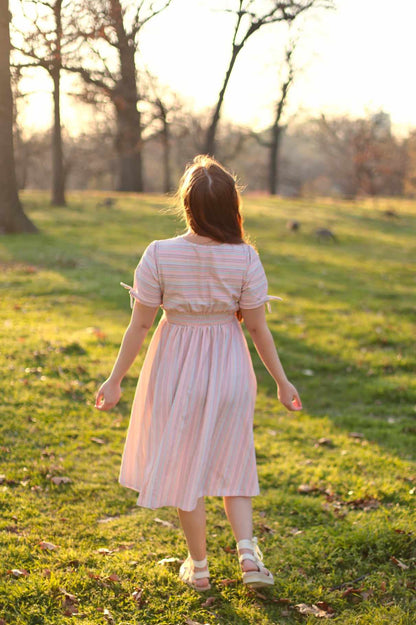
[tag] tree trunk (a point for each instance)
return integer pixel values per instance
(129, 148)
(58, 176)
(274, 160)
(12, 217)
(129, 143)
(167, 178)
(212, 129)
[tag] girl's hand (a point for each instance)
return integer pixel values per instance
(289, 396)
(108, 395)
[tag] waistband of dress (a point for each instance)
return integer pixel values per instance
(198, 319)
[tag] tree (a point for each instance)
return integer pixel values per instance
(276, 130)
(43, 41)
(363, 156)
(12, 217)
(110, 31)
(249, 20)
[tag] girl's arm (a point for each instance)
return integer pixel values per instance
(141, 321)
(256, 324)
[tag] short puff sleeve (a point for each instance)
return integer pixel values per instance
(254, 287)
(146, 286)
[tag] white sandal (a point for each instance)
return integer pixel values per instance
(258, 578)
(189, 576)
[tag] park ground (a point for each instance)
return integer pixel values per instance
(335, 518)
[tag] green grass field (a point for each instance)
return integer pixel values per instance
(335, 518)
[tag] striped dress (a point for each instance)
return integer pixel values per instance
(191, 426)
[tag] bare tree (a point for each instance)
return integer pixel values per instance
(42, 43)
(165, 107)
(277, 129)
(110, 30)
(249, 20)
(362, 155)
(12, 217)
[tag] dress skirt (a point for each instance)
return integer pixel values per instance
(191, 426)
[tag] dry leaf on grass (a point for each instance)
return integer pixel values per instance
(104, 551)
(99, 441)
(324, 441)
(398, 563)
(18, 572)
(47, 546)
(357, 435)
(137, 595)
(307, 488)
(189, 621)
(113, 578)
(69, 603)
(209, 602)
(164, 523)
(169, 560)
(107, 615)
(60, 479)
(320, 610)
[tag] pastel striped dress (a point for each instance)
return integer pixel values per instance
(191, 426)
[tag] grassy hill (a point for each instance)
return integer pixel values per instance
(335, 515)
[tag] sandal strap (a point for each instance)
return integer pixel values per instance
(201, 574)
(200, 564)
(247, 556)
(245, 543)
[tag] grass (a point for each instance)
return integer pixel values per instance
(345, 331)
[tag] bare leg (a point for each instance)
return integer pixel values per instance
(240, 515)
(194, 526)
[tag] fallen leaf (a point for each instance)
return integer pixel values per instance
(107, 614)
(113, 578)
(322, 605)
(210, 601)
(307, 488)
(138, 596)
(104, 551)
(164, 523)
(47, 546)
(60, 480)
(169, 560)
(266, 529)
(68, 596)
(18, 572)
(363, 503)
(314, 610)
(228, 549)
(398, 563)
(355, 435)
(189, 621)
(99, 441)
(325, 441)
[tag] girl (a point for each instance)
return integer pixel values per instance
(191, 426)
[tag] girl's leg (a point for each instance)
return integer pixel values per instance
(240, 515)
(194, 525)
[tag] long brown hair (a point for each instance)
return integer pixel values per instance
(209, 196)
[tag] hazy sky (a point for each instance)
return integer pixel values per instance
(355, 59)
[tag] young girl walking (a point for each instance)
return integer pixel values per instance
(191, 428)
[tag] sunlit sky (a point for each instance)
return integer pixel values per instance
(356, 59)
